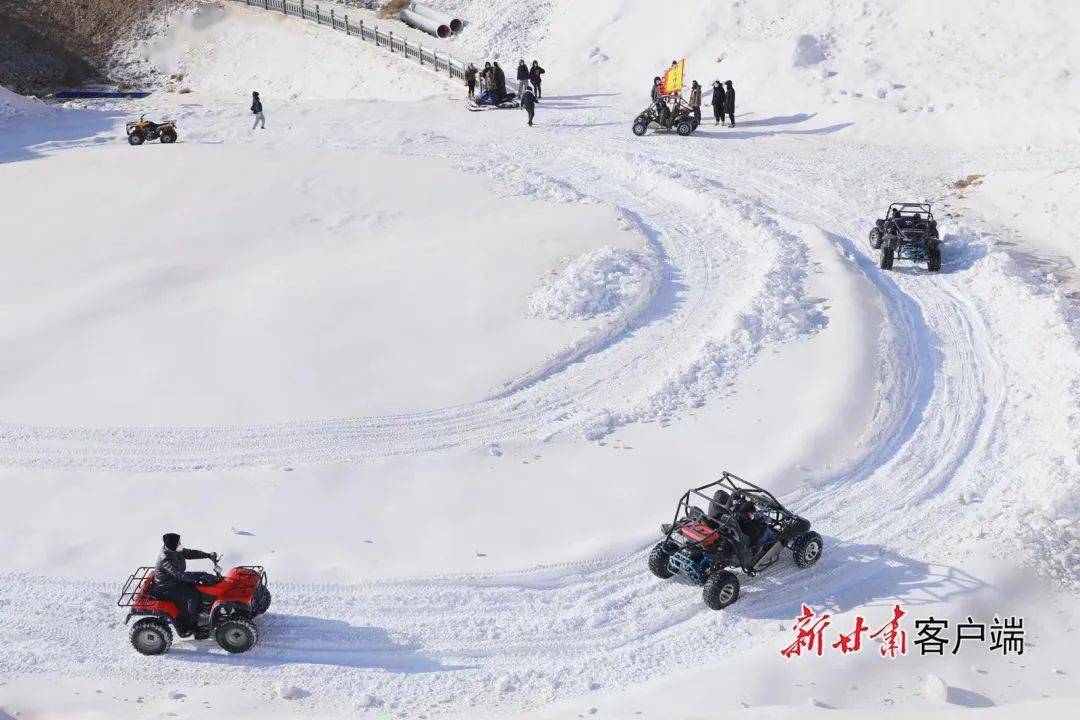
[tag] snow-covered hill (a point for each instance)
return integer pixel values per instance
(444, 374)
(969, 72)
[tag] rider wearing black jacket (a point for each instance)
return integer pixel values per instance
(173, 582)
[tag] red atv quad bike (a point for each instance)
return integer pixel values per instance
(231, 602)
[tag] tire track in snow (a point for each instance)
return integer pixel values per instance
(603, 382)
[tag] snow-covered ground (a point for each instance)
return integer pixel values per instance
(444, 374)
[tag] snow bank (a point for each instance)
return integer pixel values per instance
(231, 48)
(13, 105)
(592, 284)
(1039, 504)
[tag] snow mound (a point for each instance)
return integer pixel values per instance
(934, 688)
(13, 105)
(596, 283)
(286, 691)
(809, 50)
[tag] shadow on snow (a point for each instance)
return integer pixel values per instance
(304, 640)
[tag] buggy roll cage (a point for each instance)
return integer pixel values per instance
(911, 209)
(734, 486)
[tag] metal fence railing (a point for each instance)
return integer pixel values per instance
(432, 59)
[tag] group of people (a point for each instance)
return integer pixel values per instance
(723, 101)
(492, 82)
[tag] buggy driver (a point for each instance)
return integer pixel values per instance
(173, 582)
(755, 528)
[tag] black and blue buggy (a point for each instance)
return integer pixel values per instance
(730, 524)
(907, 232)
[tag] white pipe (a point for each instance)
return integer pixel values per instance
(427, 24)
(455, 24)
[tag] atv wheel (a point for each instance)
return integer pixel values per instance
(875, 239)
(237, 635)
(721, 589)
(136, 138)
(658, 562)
(807, 549)
(933, 259)
(169, 136)
(886, 260)
(640, 127)
(151, 636)
(685, 127)
(262, 601)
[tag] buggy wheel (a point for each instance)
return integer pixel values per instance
(136, 137)
(685, 127)
(640, 127)
(237, 635)
(721, 589)
(169, 136)
(151, 636)
(658, 562)
(886, 260)
(933, 259)
(262, 601)
(807, 549)
(875, 239)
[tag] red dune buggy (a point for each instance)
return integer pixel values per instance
(230, 604)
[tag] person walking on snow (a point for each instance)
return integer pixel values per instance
(470, 80)
(522, 77)
(535, 73)
(718, 101)
(729, 103)
(528, 103)
(173, 582)
(257, 111)
(695, 102)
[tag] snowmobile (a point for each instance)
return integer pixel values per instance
(678, 116)
(142, 130)
(487, 101)
(705, 538)
(230, 604)
(907, 232)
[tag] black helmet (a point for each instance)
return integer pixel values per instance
(171, 540)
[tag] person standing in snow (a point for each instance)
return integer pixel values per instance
(257, 111)
(522, 77)
(487, 79)
(535, 73)
(470, 80)
(528, 103)
(718, 101)
(729, 103)
(655, 92)
(695, 102)
(499, 77)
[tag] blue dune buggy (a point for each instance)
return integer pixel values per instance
(907, 232)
